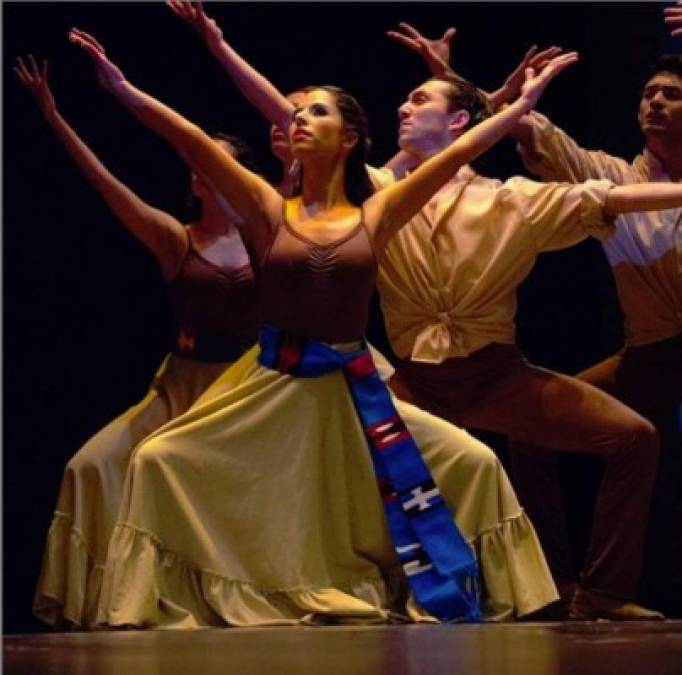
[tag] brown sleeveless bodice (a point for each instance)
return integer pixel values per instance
(215, 309)
(320, 291)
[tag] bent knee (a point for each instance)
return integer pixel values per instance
(641, 439)
(645, 435)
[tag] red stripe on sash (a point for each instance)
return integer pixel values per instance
(288, 354)
(360, 367)
(388, 441)
(387, 432)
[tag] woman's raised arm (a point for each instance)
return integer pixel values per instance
(162, 234)
(256, 202)
(256, 88)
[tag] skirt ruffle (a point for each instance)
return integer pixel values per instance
(156, 587)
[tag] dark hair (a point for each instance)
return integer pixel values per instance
(242, 153)
(463, 95)
(358, 184)
(668, 63)
(242, 150)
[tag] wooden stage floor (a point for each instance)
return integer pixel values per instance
(580, 648)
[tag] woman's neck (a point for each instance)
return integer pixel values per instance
(324, 184)
(214, 220)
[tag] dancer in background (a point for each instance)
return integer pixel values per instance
(645, 254)
(213, 298)
(260, 505)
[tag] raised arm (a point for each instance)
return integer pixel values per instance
(257, 89)
(387, 211)
(550, 153)
(256, 202)
(435, 53)
(511, 87)
(673, 18)
(162, 234)
(436, 56)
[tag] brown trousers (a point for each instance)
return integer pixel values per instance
(496, 389)
(649, 380)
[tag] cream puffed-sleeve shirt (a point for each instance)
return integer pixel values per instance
(448, 279)
(645, 249)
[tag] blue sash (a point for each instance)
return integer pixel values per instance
(437, 560)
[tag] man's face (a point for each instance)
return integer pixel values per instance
(424, 119)
(660, 108)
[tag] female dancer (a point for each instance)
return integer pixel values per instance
(212, 293)
(261, 505)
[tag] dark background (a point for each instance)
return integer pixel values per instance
(85, 315)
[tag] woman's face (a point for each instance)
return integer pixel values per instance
(317, 125)
(279, 142)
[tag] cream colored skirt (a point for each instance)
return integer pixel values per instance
(90, 494)
(259, 506)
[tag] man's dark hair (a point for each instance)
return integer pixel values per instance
(668, 63)
(463, 95)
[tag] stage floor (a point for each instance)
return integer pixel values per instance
(580, 648)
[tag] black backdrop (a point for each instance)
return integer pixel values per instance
(85, 316)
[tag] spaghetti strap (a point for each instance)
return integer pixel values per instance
(275, 233)
(368, 234)
(183, 257)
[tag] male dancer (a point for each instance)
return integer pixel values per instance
(645, 253)
(649, 378)
(448, 286)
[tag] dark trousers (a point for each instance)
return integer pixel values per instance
(546, 413)
(649, 380)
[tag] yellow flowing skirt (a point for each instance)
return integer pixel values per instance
(70, 579)
(259, 506)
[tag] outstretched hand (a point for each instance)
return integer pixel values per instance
(536, 83)
(511, 87)
(193, 14)
(35, 80)
(109, 74)
(673, 18)
(436, 53)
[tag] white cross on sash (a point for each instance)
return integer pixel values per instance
(420, 498)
